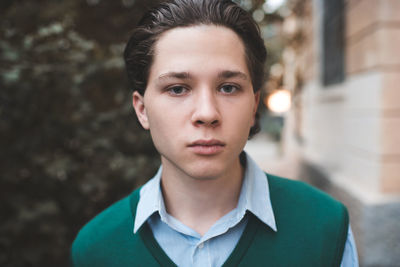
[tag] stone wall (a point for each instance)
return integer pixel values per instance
(346, 134)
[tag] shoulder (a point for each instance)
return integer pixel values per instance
(301, 198)
(311, 226)
(298, 190)
(111, 225)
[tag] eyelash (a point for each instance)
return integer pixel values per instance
(171, 89)
(235, 88)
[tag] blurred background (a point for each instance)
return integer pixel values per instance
(70, 144)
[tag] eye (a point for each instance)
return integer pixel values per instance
(229, 88)
(177, 90)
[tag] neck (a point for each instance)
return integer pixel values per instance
(199, 203)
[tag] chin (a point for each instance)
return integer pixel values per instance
(205, 173)
(201, 168)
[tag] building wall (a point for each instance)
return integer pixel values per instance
(347, 135)
(373, 37)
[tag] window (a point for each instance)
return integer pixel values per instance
(333, 47)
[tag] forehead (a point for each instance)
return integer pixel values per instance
(199, 47)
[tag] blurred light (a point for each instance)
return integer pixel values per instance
(128, 3)
(258, 15)
(269, 31)
(276, 70)
(270, 6)
(290, 25)
(279, 101)
(246, 4)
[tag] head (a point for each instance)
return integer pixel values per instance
(139, 52)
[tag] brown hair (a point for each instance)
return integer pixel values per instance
(139, 50)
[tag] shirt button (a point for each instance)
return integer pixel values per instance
(201, 245)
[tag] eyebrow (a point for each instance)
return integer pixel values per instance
(177, 75)
(232, 74)
(226, 74)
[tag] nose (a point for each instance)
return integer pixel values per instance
(206, 111)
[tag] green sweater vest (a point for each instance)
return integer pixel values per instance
(312, 231)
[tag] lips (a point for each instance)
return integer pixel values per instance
(207, 147)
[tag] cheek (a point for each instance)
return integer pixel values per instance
(164, 124)
(240, 121)
(244, 113)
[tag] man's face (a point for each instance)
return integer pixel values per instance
(199, 102)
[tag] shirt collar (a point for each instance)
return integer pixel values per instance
(255, 191)
(254, 197)
(150, 200)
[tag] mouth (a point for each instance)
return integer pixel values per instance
(207, 147)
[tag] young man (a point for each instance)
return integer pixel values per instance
(196, 67)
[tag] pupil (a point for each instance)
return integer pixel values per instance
(177, 90)
(228, 88)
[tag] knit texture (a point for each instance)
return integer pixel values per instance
(312, 231)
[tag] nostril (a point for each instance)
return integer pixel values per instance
(213, 123)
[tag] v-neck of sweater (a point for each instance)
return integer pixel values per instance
(233, 259)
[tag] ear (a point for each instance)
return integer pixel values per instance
(256, 102)
(140, 109)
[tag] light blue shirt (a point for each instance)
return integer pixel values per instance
(186, 247)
